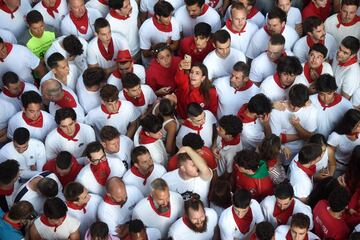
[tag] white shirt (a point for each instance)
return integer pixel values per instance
(16, 101)
(300, 181)
(344, 147)
(281, 231)
(55, 142)
(7, 36)
(180, 231)
(326, 68)
(101, 7)
(258, 18)
(347, 77)
(221, 67)
(149, 96)
(227, 154)
(55, 22)
(252, 134)
(71, 78)
(14, 22)
(114, 215)
(241, 41)
(138, 70)
(339, 33)
(7, 111)
(33, 155)
(87, 99)
(124, 154)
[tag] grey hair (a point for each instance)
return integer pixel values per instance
(159, 184)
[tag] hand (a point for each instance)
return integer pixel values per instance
(183, 149)
(352, 211)
(216, 153)
(286, 151)
(341, 180)
(122, 230)
(265, 119)
(313, 74)
(280, 105)
(163, 91)
(294, 120)
(169, 41)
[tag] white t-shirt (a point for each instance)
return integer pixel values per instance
(55, 21)
(252, 134)
(300, 181)
(227, 154)
(281, 231)
(16, 101)
(344, 147)
(103, 8)
(14, 22)
(7, 111)
(71, 78)
(87, 99)
(7, 36)
(326, 68)
(138, 70)
(347, 77)
(339, 32)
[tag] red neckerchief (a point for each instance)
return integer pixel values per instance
(51, 10)
(241, 114)
(82, 23)
(252, 12)
(189, 124)
(9, 94)
(108, 200)
(349, 62)
(70, 138)
(17, 226)
(162, 27)
(267, 31)
(356, 135)
(204, 10)
(271, 163)
(228, 25)
(310, 42)
(145, 139)
(6, 192)
(38, 123)
(6, 9)
(103, 108)
(137, 173)
(232, 142)
(282, 216)
(309, 171)
(152, 204)
(243, 223)
(307, 72)
(45, 221)
(337, 99)
(247, 85)
(109, 54)
(138, 102)
(289, 237)
(9, 47)
(67, 101)
(117, 73)
(114, 14)
(277, 81)
(354, 21)
(186, 221)
(101, 172)
(76, 207)
(105, 2)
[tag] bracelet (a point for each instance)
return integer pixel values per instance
(283, 138)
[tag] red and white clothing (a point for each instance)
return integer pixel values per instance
(7, 111)
(283, 233)
(240, 40)
(114, 214)
(53, 15)
(126, 26)
(326, 226)
(99, 117)
(277, 217)
(71, 78)
(104, 57)
(339, 30)
(101, 5)
(13, 21)
(188, 46)
(22, 66)
(227, 151)
(180, 229)
(16, 99)
(254, 16)
(303, 45)
(347, 75)
(87, 99)
(146, 211)
(329, 116)
(230, 98)
(38, 129)
(115, 77)
(147, 6)
(187, 23)
(58, 141)
(94, 177)
(142, 103)
(323, 69)
(231, 226)
(143, 182)
(293, 17)
(311, 10)
(63, 231)
(124, 154)
(259, 42)
(205, 131)
(7, 197)
(33, 155)
(87, 214)
(221, 67)
(81, 27)
(301, 179)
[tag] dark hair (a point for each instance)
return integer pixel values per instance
(34, 16)
(94, 76)
(300, 220)
(21, 135)
(351, 43)
(322, 190)
(72, 45)
(64, 113)
(10, 78)
(163, 9)
(136, 226)
(72, 191)
(221, 193)
(348, 122)
(247, 159)
(284, 190)
(338, 199)
(206, 84)
(166, 108)
(53, 60)
(309, 152)
(354, 236)
(277, 13)
(270, 147)
(55, 208)
(326, 83)
(298, 95)
(231, 124)
(193, 2)
(352, 176)
(1, 40)
(91, 148)
(130, 80)
(9, 169)
(202, 29)
(109, 93)
(159, 47)
(260, 104)
(221, 36)
(318, 47)
(242, 67)
(242, 198)
(151, 123)
(63, 160)
(138, 151)
(116, 4)
(21, 210)
(108, 133)
(99, 230)
(350, 2)
(30, 97)
(100, 23)
(193, 140)
(277, 39)
(48, 187)
(264, 231)
(290, 65)
(194, 203)
(318, 138)
(194, 109)
(311, 23)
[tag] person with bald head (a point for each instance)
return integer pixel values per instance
(60, 96)
(117, 206)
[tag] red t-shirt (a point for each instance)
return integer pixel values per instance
(187, 46)
(75, 169)
(312, 10)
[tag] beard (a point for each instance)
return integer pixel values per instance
(198, 229)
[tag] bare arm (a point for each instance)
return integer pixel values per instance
(40, 70)
(75, 235)
(34, 234)
(345, 95)
(132, 128)
(298, 28)
(199, 162)
(170, 137)
(332, 160)
(146, 52)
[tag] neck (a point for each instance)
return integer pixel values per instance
(183, 175)
(61, 78)
(118, 12)
(336, 215)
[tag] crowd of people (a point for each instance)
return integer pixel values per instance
(183, 120)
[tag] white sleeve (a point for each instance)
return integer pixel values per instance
(334, 139)
(109, 218)
(259, 217)
(253, 51)
(31, 59)
(91, 56)
(349, 84)
(144, 36)
(275, 122)
(50, 146)
(298, 51)
(264, 210)
(255, 72)
(225, 231)
(41, 156)
(297, 16)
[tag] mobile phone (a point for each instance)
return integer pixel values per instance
(187, 57)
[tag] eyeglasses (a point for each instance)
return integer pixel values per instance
(96, 161)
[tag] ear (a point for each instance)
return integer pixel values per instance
(147, 133)
(103, 144)
(246, 79)
(136, 165)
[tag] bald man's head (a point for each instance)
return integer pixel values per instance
(116, 190)
(51, 90)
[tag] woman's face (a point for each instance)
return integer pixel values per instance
(164, 58)
(196, 76)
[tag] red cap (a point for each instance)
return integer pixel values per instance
(123, 56)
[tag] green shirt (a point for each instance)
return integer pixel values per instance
(39, 46)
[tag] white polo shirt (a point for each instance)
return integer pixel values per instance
(339, 31)
(87, 99)
(300, 181)
(115, 78)
(49, 20)
(347, 77)
(16, 101)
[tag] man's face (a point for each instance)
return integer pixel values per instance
(77, 7)
(315, 59)
(327, 97)
(343, 54)
(287, 79)
(112, 146)
(318, 33)
(298, 233)
(62, 69)
(238, 19)
(164, 58)
(238, 79)
(32, 111)
(134, 92)
(201, 42)
(20, 148)
(3, 51)
(164, 20)
(68, 126)
(119, 195)
(84, 197)
(284, 5)
(241, 212)
(97, 157)
(63, 172)
(190, 169)
(194, 10)
(12, 3)
(14, 88)
(126, 9)
(161, 199)
(223, 49)
(284, 203)
(320, 3)
(198, 220)
(104, 35)
(274, 52)
(49, 3)
(199, 120)
(145, 163)
(37, 29)
(348, 13)
(125, 67)
(112, 107)
(274, 25)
